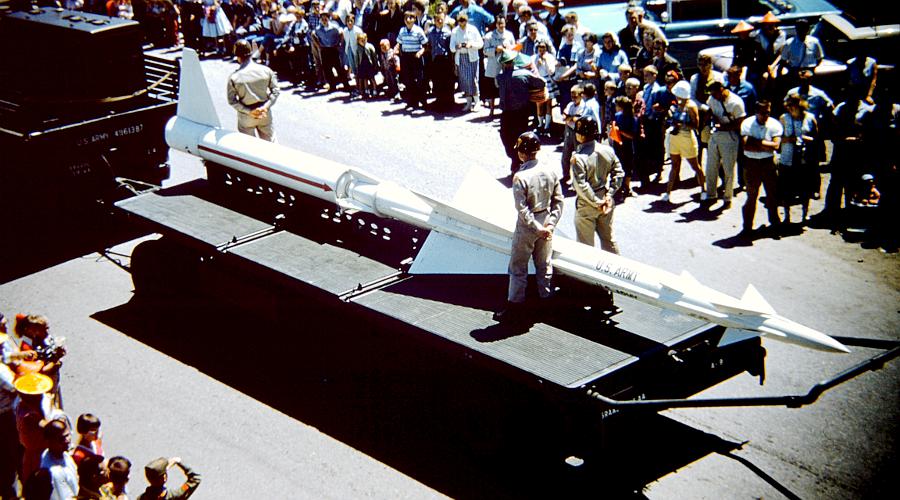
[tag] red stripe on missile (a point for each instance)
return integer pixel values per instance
(321, 186)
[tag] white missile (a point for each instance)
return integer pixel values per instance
(465, 237)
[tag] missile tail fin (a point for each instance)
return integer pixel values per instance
(735, 335)
(756, 301)
(194, 100)
(444, 254)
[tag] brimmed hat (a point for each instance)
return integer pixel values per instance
(507, 56)
(518, 59)
(156, 468)
(34, 383)
(742, 27)
(769, 18)
(552, 3)
(682, 90)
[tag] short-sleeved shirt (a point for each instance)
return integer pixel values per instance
(766, 132)
(411, 40)
(805, 53)
(63, 475)
(726, 112)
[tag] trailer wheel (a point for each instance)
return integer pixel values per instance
(163, 268)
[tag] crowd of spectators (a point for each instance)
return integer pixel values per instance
(418, 51)
(44, 453)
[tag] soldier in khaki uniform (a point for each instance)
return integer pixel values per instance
(252, 90)
(596, 175)
(539, 201)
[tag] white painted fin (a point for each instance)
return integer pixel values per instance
(194, 100)
(753, 299)
(444, 254)
(482, 196)
(735, 335)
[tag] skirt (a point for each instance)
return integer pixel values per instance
(468, 76)
(219, 28)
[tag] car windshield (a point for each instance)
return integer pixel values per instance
(866, 14)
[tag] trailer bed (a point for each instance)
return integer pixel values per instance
(571, 348)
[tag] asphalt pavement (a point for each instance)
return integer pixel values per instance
(154, 375)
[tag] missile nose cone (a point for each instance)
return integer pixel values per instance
(795, 333)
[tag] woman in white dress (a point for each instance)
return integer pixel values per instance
(214, 26)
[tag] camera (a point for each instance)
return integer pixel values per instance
(52, 350)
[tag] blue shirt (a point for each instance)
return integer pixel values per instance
(478, 17)
(611, 62)
(411, 40)
(439, 41)
(329, 36)
(746, 92)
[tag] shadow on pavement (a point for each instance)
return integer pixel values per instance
(43, 239)
(420, 407)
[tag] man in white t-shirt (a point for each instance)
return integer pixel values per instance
(761, 136)
(727, 112)
(57, 459)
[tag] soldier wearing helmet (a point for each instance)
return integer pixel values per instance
(252, 90)
(539, 201)
(596, 176)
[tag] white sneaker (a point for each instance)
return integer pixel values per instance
(665, 197)
(704, 196)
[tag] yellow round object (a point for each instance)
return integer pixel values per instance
(34, 383)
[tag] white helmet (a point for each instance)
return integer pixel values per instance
(682, 90)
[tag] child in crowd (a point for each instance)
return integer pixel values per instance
(590, 100)
(627, 129)
(574, 110)
(610, 91)
(119, 471)
(390, 68)
(90, 441)
(366, 67)
(545, 63)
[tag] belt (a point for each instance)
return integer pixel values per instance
(539, 211)
(255, 104)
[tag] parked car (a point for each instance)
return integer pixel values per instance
(694, 25)
(841, 40)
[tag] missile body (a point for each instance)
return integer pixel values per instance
(196, 130)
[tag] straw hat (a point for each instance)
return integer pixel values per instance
(742, 27)
(769, 18)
